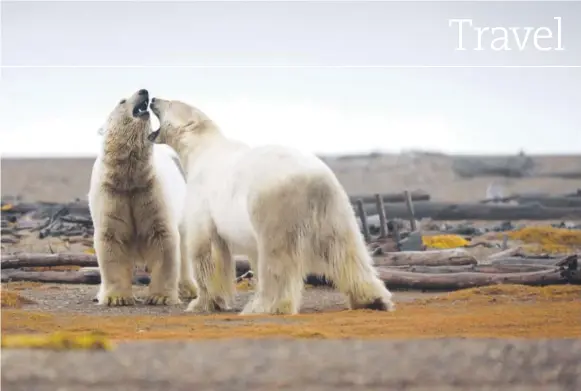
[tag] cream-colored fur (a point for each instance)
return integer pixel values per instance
(136, 202)
(284, 209)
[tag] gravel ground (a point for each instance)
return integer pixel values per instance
(435, 365)
(79, 299)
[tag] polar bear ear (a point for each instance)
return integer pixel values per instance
(102, 129)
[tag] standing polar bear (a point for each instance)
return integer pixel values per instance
(136, 199)
(285, 210)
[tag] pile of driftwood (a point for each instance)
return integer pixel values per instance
(380, 215)
(419, 270)
(395, 216)
(71, 220)
(417, 205)
(392, 233)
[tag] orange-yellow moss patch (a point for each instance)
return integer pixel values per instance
(548, 239)
(21, 285)
(553, 313)
(57, 341)
(444, 241)
(512, 293)
(13, 299)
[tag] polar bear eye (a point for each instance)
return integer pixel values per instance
(122, 101)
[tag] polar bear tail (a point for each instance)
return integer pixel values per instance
(307, 225)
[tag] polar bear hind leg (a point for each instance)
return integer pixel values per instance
(280, 280)
(187, 285)
(308, 226)
(214, 268)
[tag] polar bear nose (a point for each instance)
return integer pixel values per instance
(152, 100)
(143, 92)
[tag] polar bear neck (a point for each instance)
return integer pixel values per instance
(128, 162)
(195, 147)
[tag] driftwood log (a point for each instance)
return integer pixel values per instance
(416, 195)
(478, 211)
(49, 208)
(450, 270)
(20, 260)
(495, 269)
(552, 202)
(456, 256)
(507, 261)
(426, 258)
(396, 279)
(51, 276)
(88, 277)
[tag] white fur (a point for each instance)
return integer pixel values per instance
(282, 208)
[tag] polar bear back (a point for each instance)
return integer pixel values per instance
(230, 177)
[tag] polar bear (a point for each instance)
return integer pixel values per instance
(136, 199)
(284, 209)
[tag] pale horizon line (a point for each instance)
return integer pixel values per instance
(276, 66)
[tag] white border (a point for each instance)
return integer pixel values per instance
(282, 66)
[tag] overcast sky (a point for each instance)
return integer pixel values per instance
(327, 77)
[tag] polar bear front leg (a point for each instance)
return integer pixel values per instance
(164, 263)
(212, 262)
(116, 271)
(187, 285)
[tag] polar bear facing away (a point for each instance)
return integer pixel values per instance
(136, 201)
(284, 209)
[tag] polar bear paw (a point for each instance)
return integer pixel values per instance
(204, 304)
(256, 307)
(114, 300)
(161, 299)
(377, 304)
(188, 290)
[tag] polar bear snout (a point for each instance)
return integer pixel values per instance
(141, 104)
(157, 106)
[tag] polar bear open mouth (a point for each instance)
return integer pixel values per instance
(153, 135)
(140, 110)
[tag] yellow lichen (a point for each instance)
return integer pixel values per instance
(512, 292)
(13, 300)
(56, 341)
(444, 241)
(547, 239)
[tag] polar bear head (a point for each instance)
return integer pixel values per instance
(129, 120)
(177, 121)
